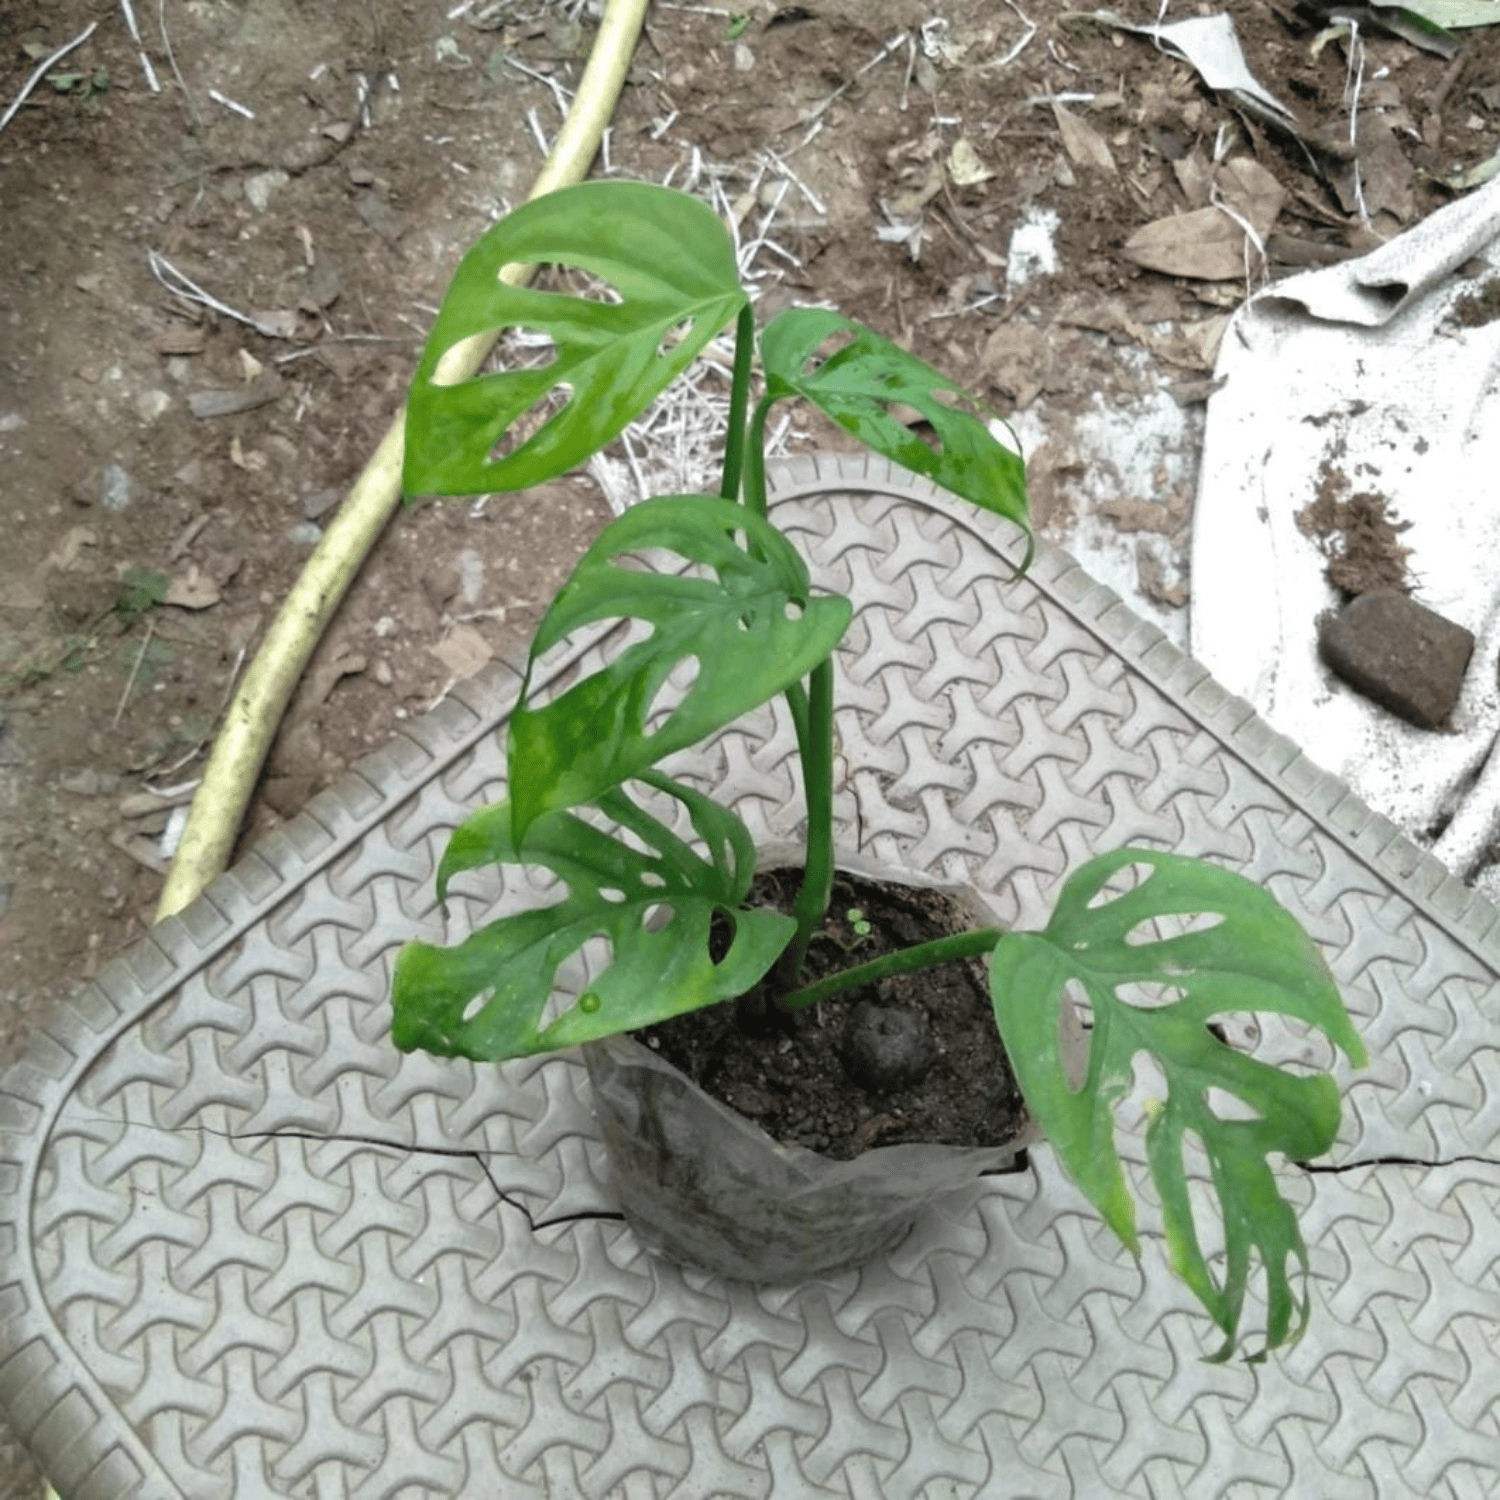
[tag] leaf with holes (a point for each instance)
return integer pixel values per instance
(754, 628)
(856, 386)
(672, 265)
(1243, 953)
(487, 997)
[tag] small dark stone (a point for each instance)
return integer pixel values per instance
(1399, 653)
(886, 1046)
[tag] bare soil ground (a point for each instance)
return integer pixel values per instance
(319, 168)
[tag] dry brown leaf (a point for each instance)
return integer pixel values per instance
(964, 165)
(1084, 145)
(463, 651)
(192, 590)
(1210, 244)
(1195, 177)
(907, 205)
(1015, 359)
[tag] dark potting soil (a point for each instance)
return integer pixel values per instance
(793, 1076)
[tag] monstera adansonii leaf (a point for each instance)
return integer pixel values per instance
(671, 264)
(1242, 952)
(856, 386)
(754, 628)
(487, 997)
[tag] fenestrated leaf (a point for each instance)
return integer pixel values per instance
(486, 999)
(856, 386)
(671, 263)
(754, 628)
(1255, 957)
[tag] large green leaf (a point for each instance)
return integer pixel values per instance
(486, 998)
(671, 263)
(1254, 957)
(856, 386)
(754, 628)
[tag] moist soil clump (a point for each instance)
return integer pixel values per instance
(1359, 537)
(793, 1075)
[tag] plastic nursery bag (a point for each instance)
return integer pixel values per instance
(703, 1186)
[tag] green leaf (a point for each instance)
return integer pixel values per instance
(1254, 957)
(486, 998)
(754, 628)
(856, 386)
(671, 263)
(140, 589)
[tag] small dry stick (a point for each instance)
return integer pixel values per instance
(140, 656)
(189, 291)
(41, 71)
(128, 11)
(166, 42)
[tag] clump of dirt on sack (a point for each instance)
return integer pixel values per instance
(791, 1075)
(1475, 309)
(1358, 536)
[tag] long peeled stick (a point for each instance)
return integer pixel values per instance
(255, 712)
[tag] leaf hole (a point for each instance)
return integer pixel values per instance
(576, 974)
(915, 423)
(1203, 1202)
(530, 423)
(793, 610)
(658, 916)
(962, 403)
(1124, 880)
(517, 348)
(1239, 1029)
(674, 336)
(1147, 995)
(1226, 1106)
(832, 346)
(652, 879)
(573, 281)
(1172, 925)
(1073, 1018)
(477, 1003)
(612, 894)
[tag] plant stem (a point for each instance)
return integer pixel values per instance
(755, 458)
(815, 742)
(739, 400)
(971, 944)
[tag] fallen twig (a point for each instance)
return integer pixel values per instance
(41, 71)
(189, 291)
(128, 11)
(166, 42)
(135, 672)
(230, 104)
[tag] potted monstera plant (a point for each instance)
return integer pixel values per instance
(656, 875)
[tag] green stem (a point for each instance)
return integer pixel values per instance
(815, 742)
(739, 400)
(755, 458)
(927, 955)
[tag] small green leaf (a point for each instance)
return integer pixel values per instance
(486, 998)
(672, 265)
(754, 628)
(1254, 957)
(856, 386)
(140, 589)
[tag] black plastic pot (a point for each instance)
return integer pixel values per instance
(704, 1186)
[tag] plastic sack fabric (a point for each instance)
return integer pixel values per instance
(703, 1186)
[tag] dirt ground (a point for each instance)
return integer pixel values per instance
(317, 170)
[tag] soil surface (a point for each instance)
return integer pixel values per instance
(915, 1057)
(966, 182)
